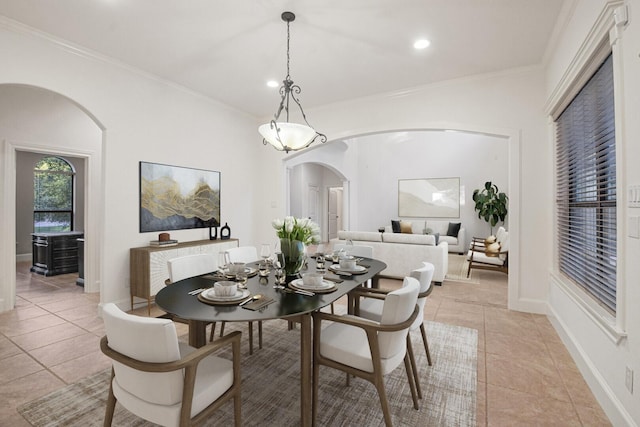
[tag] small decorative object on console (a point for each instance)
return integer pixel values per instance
(225, 232)
(213, 233)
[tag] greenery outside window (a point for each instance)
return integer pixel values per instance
(53, 188)
(586, 188)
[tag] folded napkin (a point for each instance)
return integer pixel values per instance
(364, 265)
(258, 304)
(333, 279)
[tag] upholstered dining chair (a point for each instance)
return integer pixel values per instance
(244, 254)
(365, 348)
(187, 266)
(157, 378)
(371, 304)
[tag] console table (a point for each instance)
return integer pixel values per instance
(148, 264)
(55, 253)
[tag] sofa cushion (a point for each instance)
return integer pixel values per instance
(405, 227)
(360, 236)
(454, 228)
(414, 239)
(418, 227)
(395, 226)
(450, 240)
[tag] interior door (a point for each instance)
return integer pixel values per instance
(312, 203)
(333, 217)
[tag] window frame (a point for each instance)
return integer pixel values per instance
(605, 37)
(72, 174)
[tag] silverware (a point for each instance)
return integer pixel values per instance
(196, 291)
(299, 291)
(253, 298)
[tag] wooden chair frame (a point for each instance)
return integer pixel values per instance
(190, 364)
(381, 294)
(480, 265)
(375, 377)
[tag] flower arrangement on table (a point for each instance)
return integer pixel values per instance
(295, 234)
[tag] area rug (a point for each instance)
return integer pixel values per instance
(458, 266)
(271, 388)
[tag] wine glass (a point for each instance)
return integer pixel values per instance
(265, 251)
(320, 257)
(223, 260)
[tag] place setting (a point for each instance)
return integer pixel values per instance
(347, 266)
(314, 283)
(227, 292)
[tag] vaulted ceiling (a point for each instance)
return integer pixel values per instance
(340, 49)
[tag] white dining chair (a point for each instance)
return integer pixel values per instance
(371, 307)
(162, 380)
(365, 348)
(191, 266)
(244, 254)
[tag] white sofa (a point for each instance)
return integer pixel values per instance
(402, 252)
(457, 244)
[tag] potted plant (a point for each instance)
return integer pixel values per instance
(491, 204)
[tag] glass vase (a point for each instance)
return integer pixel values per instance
(294, 255)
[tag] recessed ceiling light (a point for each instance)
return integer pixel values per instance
(421, 44)
(273, 83)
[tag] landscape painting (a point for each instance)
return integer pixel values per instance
(176, 198)
(429, 198)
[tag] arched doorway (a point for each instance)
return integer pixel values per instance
(36, 120)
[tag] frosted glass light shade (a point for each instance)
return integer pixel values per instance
(293, 136)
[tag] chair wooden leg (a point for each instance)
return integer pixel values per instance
(426, 344)
(382, 395)
(332, 309)
(412, 385)
(222, 329)
(250, 337)
(314, 395)
(260, 334)
(111, 403)
(414, 368)
(213, 331)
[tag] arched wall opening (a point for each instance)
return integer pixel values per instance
(356, 162)
(37, 120)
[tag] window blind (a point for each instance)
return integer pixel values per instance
(586, 188)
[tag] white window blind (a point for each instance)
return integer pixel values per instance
(586, 188)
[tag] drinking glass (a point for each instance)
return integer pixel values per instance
(242, 277)
(320, 257)
(265, 251)
(222, 261)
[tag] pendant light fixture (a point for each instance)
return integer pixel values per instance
(285, 136)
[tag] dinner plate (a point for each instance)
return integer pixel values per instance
(210, 295)
(356, 270)
(324, 287)
(249, 270)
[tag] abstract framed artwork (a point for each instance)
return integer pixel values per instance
(178, 198)
(429, 198)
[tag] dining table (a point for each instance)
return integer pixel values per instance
(180, 300)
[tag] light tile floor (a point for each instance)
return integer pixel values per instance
(526, 376)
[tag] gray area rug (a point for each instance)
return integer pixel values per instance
(271, 388)
(458, 266)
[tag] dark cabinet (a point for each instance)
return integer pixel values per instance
(55, 253)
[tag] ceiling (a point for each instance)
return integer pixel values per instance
(340, 49)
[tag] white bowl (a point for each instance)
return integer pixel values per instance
(236, 267)
(225, 288)
(348, 263)
(312, 279)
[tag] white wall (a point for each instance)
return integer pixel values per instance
(143, 119)
(508, 105)
(593, 342)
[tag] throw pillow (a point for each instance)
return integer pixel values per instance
(405, 227)
(454, 228)
(395, 226)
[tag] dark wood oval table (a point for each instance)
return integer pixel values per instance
(175, 299)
